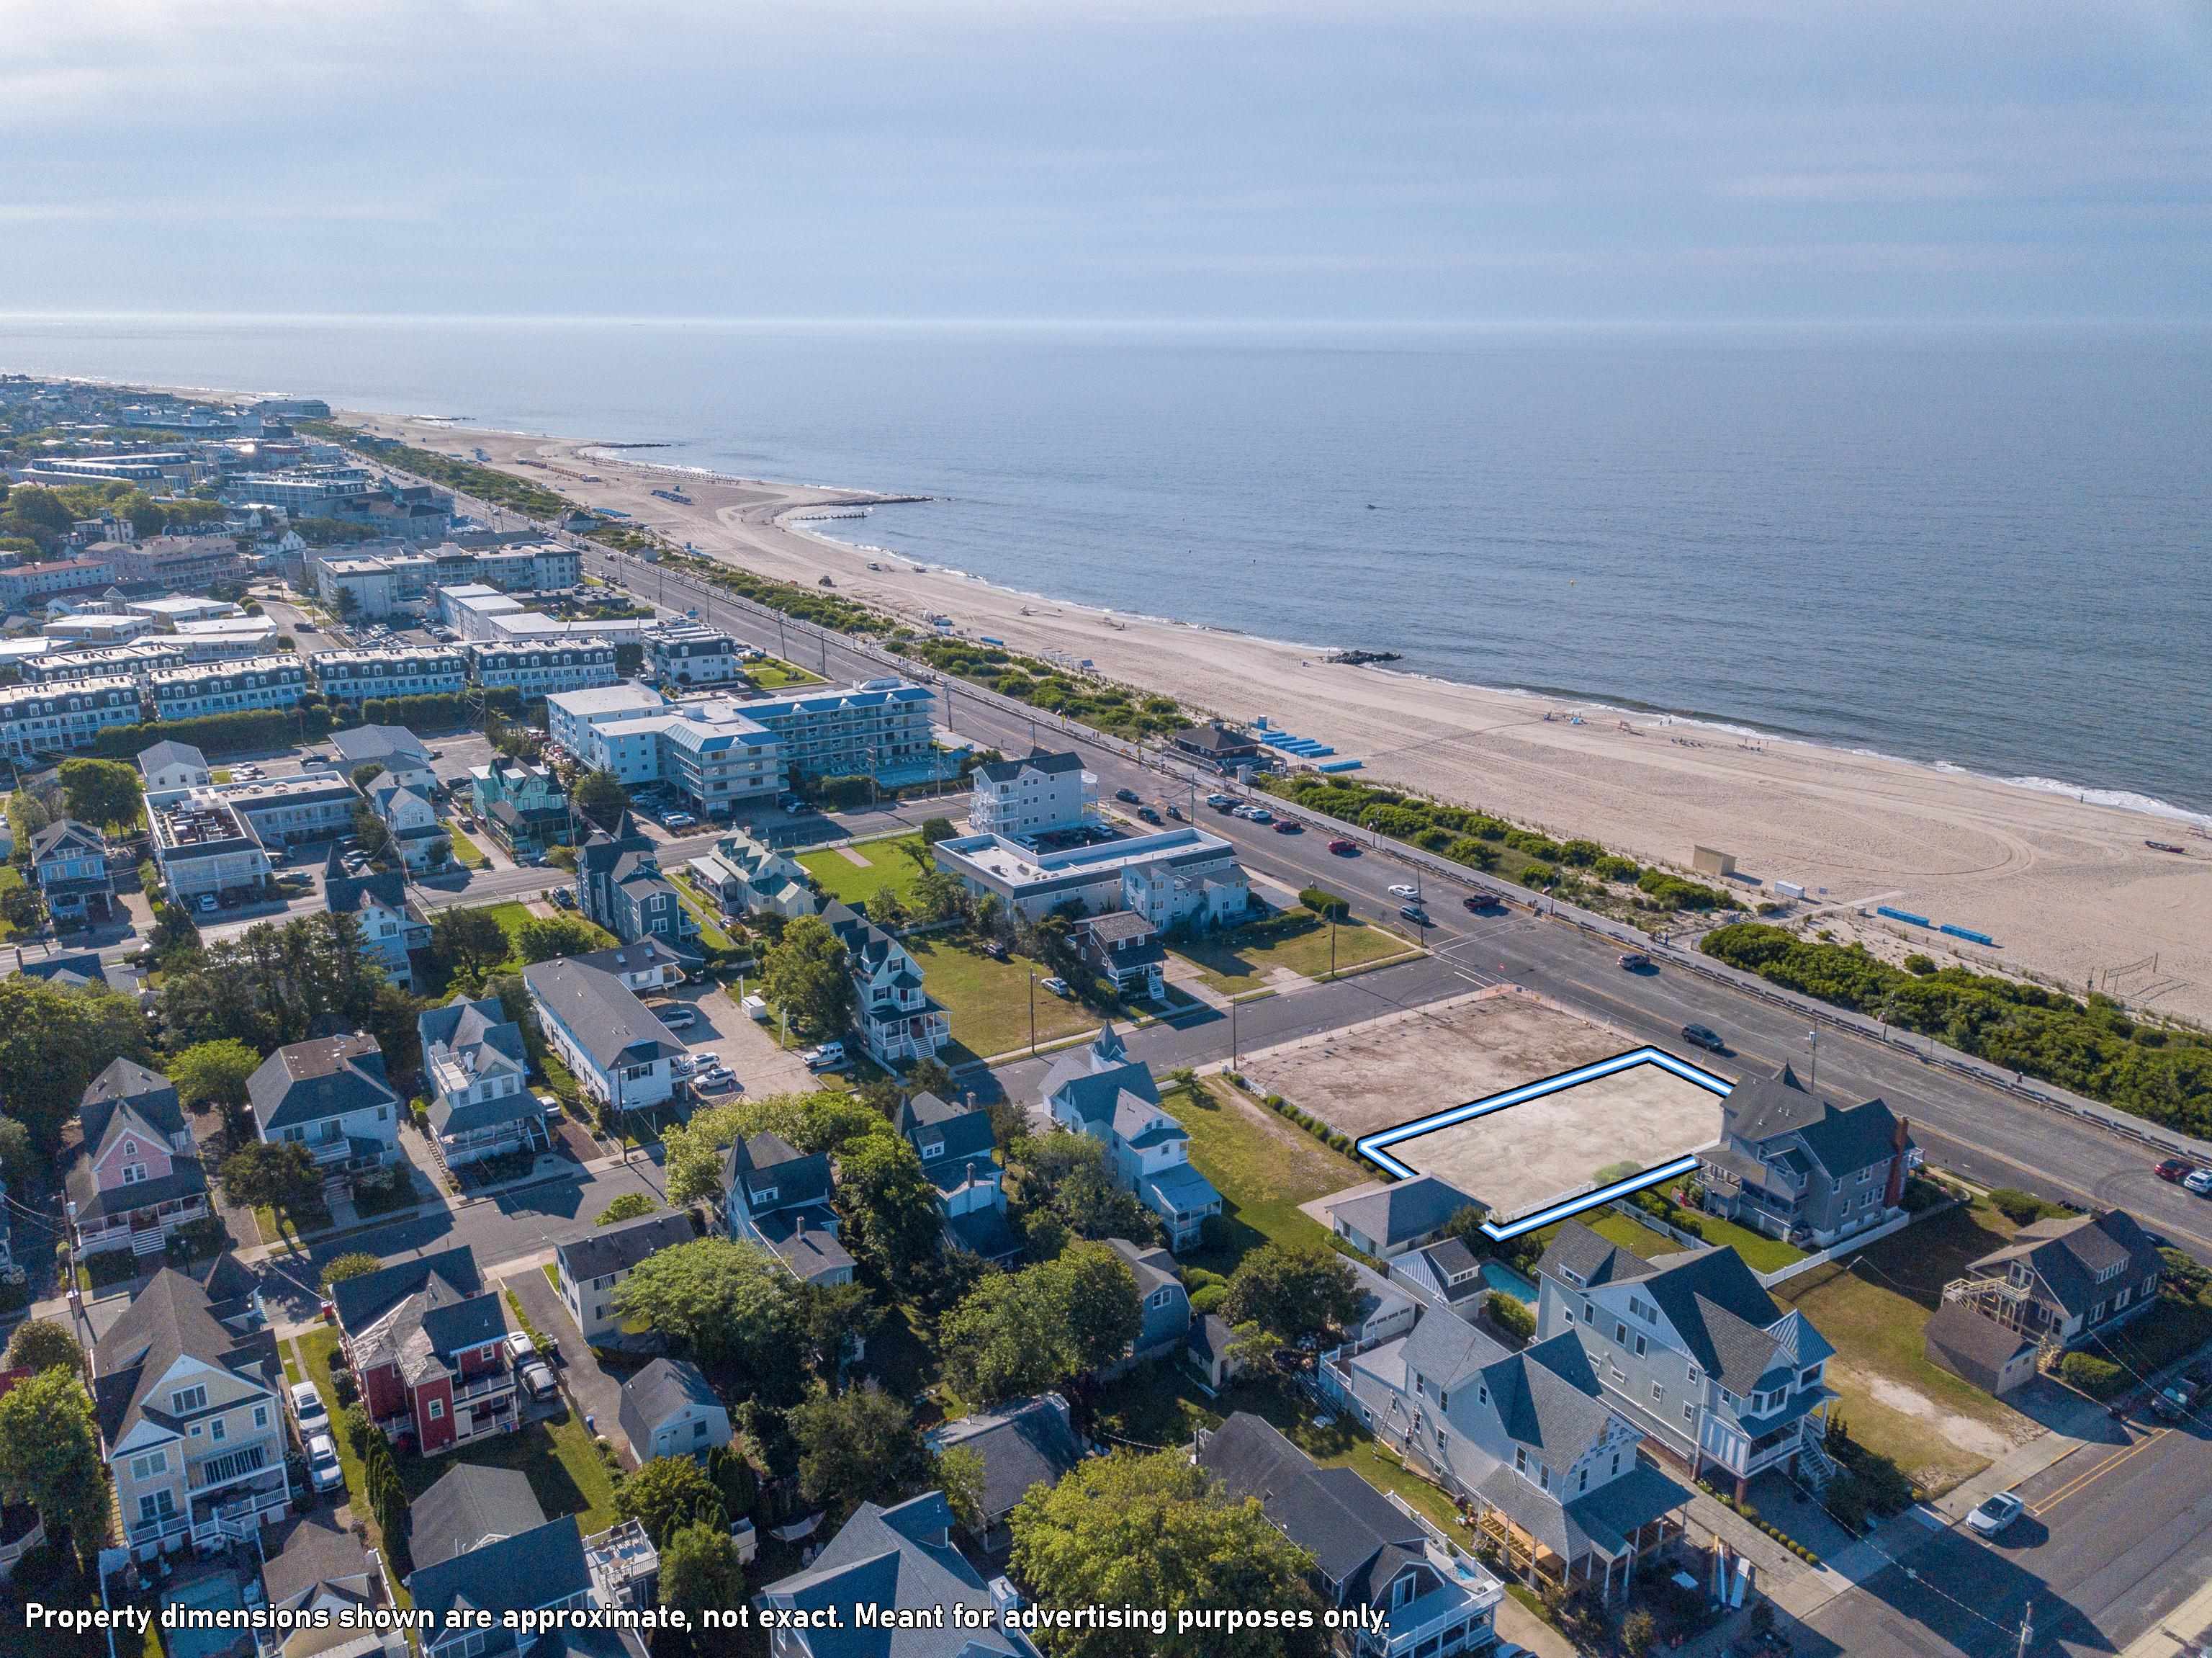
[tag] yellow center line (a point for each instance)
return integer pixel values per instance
(2073, 1486)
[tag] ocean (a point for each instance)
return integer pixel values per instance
(1977, 547)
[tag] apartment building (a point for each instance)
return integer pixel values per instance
(37, 719)
(136, 660)
(206, 850)
(307, 492)
(882, 728)
(544, 670)
(23, 586)
(183, 563)
(1033, 796)
(187, 1390)
(354, 676)
(713, 752)
(284, 811)
(256, 682)
(689, 654)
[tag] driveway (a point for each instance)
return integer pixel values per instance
(596, 1394)
(746, 1048)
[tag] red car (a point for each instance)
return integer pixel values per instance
(1344, 848)
(1289, 826)
(2172, 1169)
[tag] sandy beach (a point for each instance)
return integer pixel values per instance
(2067, 888)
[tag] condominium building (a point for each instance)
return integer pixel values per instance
(23, 585)
(355, 676)
(185, 562)
(687, 654)
(1032, 796)
(711, 751)
(136, 660)
(256, 682)
(57, 719)
(381, 581)
(283, 811)
(883, 728)
(204, 847)
(544, 670)
(310, 492)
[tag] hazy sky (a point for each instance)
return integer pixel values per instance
(1153, 158)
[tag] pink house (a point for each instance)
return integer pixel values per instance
(136, 1177)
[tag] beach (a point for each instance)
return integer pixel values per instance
(2067, 887)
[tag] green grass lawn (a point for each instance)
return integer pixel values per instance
(1246, 957)
(710, 932)
(776, 675)
(292, 1225)
(466, 852)
(887, 865)
(558, 1457)
(1760, 1253)
(1262, 1166)
(1873, 1306)
(987, 1000)
(10, 878)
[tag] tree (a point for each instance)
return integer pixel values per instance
(859, 1445)
(282, 1176)
(1154, 1532)
(17, 1156)
(699, 1571)
(214, 1073)
(468, 940)
(669, 1493)
(936, 829)
(353, 1264)
(996, 1344)
(366, 773)
(805, 973)
(600, 796)
(1294, 1290)
(734, 1477)
(1640, 1632)
(20, 909)
(732, 1303)
(43, 1344)
(50, 1455)
(885, 909)
(891, 1202)
(834, 1319)
(54, 1039)
(939, 896)
(370, 834)
(628, 1207)
(1067, 1172)
(960, 1475)
(102, 792)
(548, 938)
(930, 1074)
(1093, 1296)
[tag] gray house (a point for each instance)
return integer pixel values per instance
(1794, 1165)
(1165, 1304)
(587, 1268)
(1694, 1351)
(774, 1196)
(2058, 1284)
(1390, 1220)
(668, 1409)
(1030, 1442)
(959, 1153)
(476, 1068)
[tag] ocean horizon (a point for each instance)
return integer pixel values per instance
(1979, 548)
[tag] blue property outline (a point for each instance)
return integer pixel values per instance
(1371, 1146)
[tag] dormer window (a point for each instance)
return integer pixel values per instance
(1572, 1276)
(932, 1146)
(129, 1148)
(185, 1400)
(765, 1195)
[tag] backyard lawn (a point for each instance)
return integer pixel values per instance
(1760, 1253)
(10, 878)
(987, 1000)
(1247, 957)
(1263, 1166)
(884, 863)
(776, 675)
(566, 1474)
(1872, 1306)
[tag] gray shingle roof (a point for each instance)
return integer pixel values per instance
(611, 1025)
(313, 1550)
(361, 744)
(1333, 1514)
(658, 1393)
(901, 1556)
(469, 1507)
(1401, 1210)
(1026, 1443)
(2068, 1254)
(1845, 1138)
(618, 1248)
(171, 1317)
(170, 753)
(307, 1082)
(769, 1163)
(151, 1095)
(1051, 764)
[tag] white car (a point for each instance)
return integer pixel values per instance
(520, 1346)
(1056, 985)
(307, 1407)
(716, 1079)
(679, 1016)
(1995, 1513)
(824, 1056)
(1402, 890)
(2198, 1180)
(323, 1464)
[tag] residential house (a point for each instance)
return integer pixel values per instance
(587, 1268)
(1389, 1220)
(1207, 1349)
(959, 1153)
(897, 1018)
(1796, 1166)
(1101, 1091)
(427, 1341)
(1386, 1310)
(777, 1197)
(1368, 1551)
(619, 885)
(687, 654)
(136, 1177)
(331, 1094)
(2058, 1284)
(618, 1051)
(1182, 877)
(1526, 1440)
(421, 840)
(173, 768)
(523, 805)
(1029, 1441)
(1691, 1349)
(647, 965)
(318, 1567)
(1163, 1302)
(669, 1409)
(188, 1393)
(900, 1559)
(1035, 796)
(1449, 1274)
(70, 860)
(475, 1069)
(394, 928)
(1124, 949)
(747, 877)
(405, 760)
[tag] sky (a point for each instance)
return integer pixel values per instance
(1530, 161)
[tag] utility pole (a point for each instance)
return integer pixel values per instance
(2026, 1627)
(1813, 1078)
(1032, 1013)
(1232, 1034)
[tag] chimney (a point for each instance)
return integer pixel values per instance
(971, 1098)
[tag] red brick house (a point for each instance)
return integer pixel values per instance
(426, 1340)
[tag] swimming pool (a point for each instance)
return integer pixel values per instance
(218, 1591)
(1500, 1277)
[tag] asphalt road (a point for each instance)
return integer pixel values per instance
(1982, 1132)
(2115, 1537)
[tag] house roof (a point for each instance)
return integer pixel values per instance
(343, 893)
(804, 1238)
(984, 1231)
(305, 1083)
(149, 1095)
(186, 1176)
(645, 953)
(899, 1556)
(614, 1026)
(1844, 1138)
(2070, 1254)
(313, 1550)
(1029, 1442)
(167, 753)
(1957, 1330)
(1401, 1210)
(1547, 1397)
(1051, 764)
(616, 1248)
(171, 1318)
(1153, 1268)
(660, 1391)
(1101, 1097)
(769, 1163)
(412, 1313)
(469, 1506)
(361, 744)
(521, 1571)
(66, 834)
(1332, 1513)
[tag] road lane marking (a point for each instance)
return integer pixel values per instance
(2081, 1482)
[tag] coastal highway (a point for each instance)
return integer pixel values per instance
(1984, 1133)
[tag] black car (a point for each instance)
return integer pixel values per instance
(1699, 1036)
(1127, 794)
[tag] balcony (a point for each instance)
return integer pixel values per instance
(492, 1381)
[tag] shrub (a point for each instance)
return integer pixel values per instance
(1510, 1314)
(1919, 966)
(1330, 907)
(1612, 868)
(2021, 1207)
(353, 1264)
(2099, 1377)
(1208, 1299)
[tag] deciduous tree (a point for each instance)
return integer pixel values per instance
(279, 1174)
(49, 1455)
(43, 1344)
(859, 1445)
(102, 792)
(600, 796)
(1294, 1290)
(548, 938)
(468, 940)
(669, 1493)
(805, 974)
(732, 1303)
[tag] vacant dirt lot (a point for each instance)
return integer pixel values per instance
(1405, 1065)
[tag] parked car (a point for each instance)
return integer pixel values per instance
(551, 1106)
(995, 950)
(307, 1407)
(1129, 795)
(1056, 985)
(2172, 1403)
(1414, 913)
(1996, 1513)
(1259, 814)
(519, 1347)
(1148, 814)
(1289, 827)
(207, 902)
(1633, 961)
(535, 1378)
(681, 1016)
(680, 820)
(1218, 799)
(1176, 812)
(2198, 1180)
(827, 1056)
(716, 1079)
(1344, 848)
(563, 898)
(1402, 889)
(2172, 1169)
(323, 1468)
(1475, 901)
(1704, 1037)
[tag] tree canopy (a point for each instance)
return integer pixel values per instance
(600, 796)
(49, 1455)
(468, 940)
(1293, 1290)
(548, 938)
(805, 974)
(859, 1445)
(54, 1039)
(281, 1175)
(731, 1303)
(214, 1073)
(102, 792)
(1021, 1333)
(668, 1493)
(43, 1344)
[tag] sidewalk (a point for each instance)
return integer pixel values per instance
(2178, 1634)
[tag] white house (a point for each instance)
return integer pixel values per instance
(1101, 1091)
(391, 929)
(588, 1267)
(174, 767)
(1032, 796)
(331, 1095)
(619, 1051)
(898, 1019)
(668, 1409)
(413, 822)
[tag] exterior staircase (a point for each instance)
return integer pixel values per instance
(1815, 1468)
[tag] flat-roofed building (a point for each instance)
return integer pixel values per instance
(309, 493)
(60, 719)
(354, 676)
(23, 585)
(135, 660)
(285, 811)
(687, 654)
(544, 670)
(254, 682)
(204, 846)
(710, 751)
(175, 561)
(1180, 877)
(883, 728)
(226, 638)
